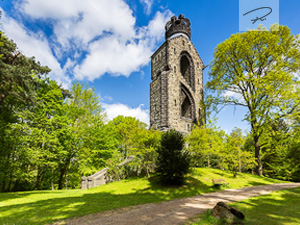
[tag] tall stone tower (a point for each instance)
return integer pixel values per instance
(177, 80)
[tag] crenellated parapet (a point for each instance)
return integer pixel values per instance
(178, 25)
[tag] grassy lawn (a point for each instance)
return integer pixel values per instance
(280, 207)
(41, 207)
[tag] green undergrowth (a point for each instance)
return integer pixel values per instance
(41, 207)
(277, 208)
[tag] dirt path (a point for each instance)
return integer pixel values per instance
(175, 211)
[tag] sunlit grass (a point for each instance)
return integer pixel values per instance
(277, 208)
(41, 207)
(280, 207)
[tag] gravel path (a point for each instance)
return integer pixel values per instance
(175, 211)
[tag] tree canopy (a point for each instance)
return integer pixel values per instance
(258, 70)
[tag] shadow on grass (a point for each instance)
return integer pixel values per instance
(92, 201)
(17, 195)
(225, 174)
(281, 207)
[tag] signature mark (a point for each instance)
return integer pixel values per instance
(259, 18)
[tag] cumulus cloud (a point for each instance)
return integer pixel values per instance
(234, 95)
(117, 109)
(83, 20)
(87, 39)
(147, 5)
(34, 44)
(90, 38)
(118, 57)
(110, 55)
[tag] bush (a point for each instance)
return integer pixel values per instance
(172, 162)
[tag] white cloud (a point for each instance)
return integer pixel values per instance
(237, 97)
(147, 5)
(234, 95)
(83, 20)
(117, 57)
(117, 109)
(109, 55)
(89, 38)
(31, 44)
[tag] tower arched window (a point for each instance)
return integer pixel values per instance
(186, 106)
(185, 69)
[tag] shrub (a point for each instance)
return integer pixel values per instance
(173, 161)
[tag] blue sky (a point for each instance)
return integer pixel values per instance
(108, 43)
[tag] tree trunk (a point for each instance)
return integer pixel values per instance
(61, 178)
(6, 171)
(10, 181)
(3, 184)
(240, 163)
(259, 170)
(67, 180)
(38, 179)
(52, 183)
(208, 162)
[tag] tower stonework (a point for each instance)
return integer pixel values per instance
(176, 89)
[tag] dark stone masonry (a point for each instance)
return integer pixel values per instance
(176, 89)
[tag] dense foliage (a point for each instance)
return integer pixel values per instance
(173, 161)
(50, 136)
(213, 148)
(258, 70)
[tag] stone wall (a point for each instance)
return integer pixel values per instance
(168, 84)
(100, 177)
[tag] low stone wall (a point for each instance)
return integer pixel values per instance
(100, 177)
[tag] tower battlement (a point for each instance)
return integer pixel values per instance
(178, 25)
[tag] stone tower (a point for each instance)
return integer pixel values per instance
(177, 81)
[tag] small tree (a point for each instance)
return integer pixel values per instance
(172, 162)
(205, 143)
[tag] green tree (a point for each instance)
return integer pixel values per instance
(293, 158)
(173, 161)
(257, 70)
(1, 42)
(18, 74)
(205, 143)
(127, 131)
(234, 158)
(20, 78)
(145, 151)
(82, 151)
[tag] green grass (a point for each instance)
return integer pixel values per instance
(205, 219)
(41, 207)
(277, 208)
